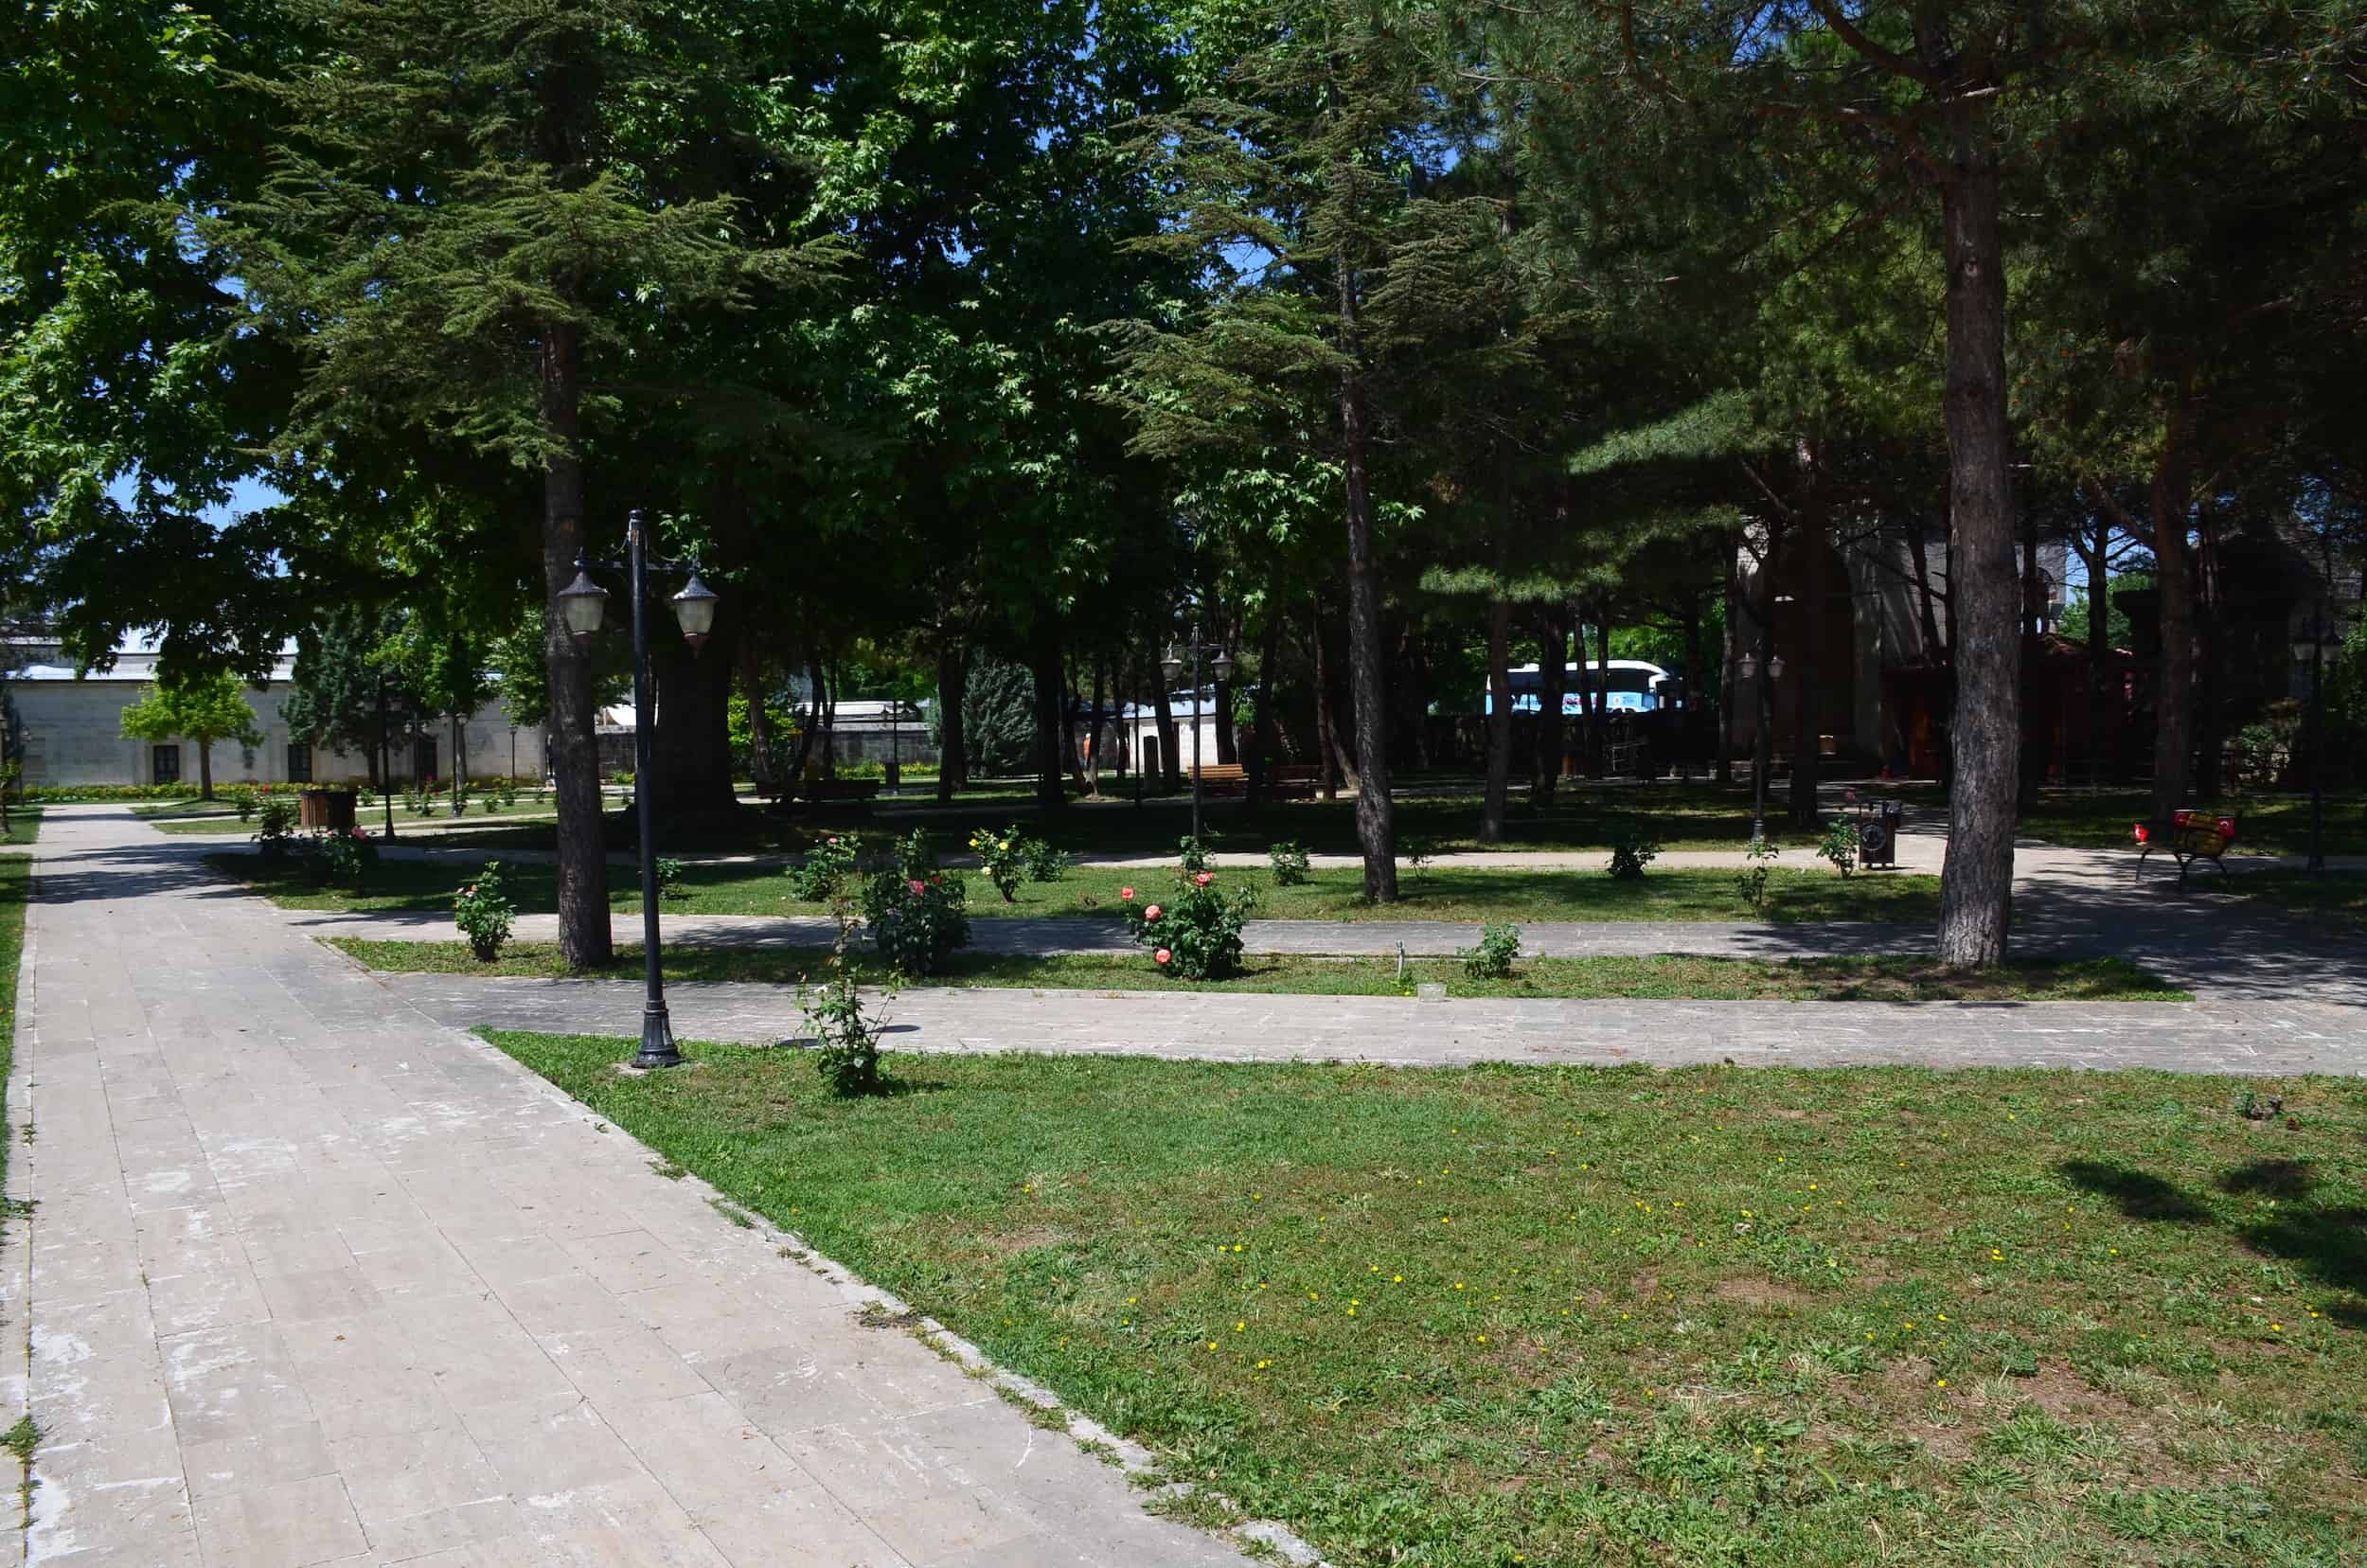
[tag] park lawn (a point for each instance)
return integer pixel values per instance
(1094, 892)
(1582, 817)
(1576, 1315)
(2276, 825)
(2336, 896)
(1856, 978)
(23, 825)
(220, 817)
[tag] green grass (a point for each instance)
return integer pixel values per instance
(2337, 897)
(1565, 1316)
(23, 825)
(1091, 892)
(1871, 978)
(221, 817)
(2276, 825)
(1582, 817)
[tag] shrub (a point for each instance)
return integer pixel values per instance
(510, 794)
(1044, 863)
(1416, 850)
(244, 803)
(341, 860)
(1842, 844)
(1289, 863)
(1004, 855)
(490, 802)
(917, 913)
(1194, 851)
(276, 833)
(847, 1043)
(826, 870)
(669, 879)
(57, 794)
(482, 910)
(1631, 850)
(1751, 882)
(1498, 945)
(1196, 932)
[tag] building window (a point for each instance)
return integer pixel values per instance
(299, 763)
(165, 764)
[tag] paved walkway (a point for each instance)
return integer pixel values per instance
(316, 1277)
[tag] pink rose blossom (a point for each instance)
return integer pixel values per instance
(920, 887)
(1151, 913)
(1125, 895)
(1161, 956)
(1204, 879)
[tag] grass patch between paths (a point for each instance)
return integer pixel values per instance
(1575, 1315)
(1092, 892)
(1856, 978)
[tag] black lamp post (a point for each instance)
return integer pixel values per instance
(1762, 743)
(385, 756)
(582, 603)
(1172, 666)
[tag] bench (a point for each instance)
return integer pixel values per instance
(1282, 783)
(2188, 837)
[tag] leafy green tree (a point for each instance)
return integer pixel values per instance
(199, 708)
(341, 690)
(473, 205)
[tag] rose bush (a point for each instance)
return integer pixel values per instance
(1197, 933)
(918, 915)
(482, 910)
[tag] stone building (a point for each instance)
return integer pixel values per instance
(74, 732)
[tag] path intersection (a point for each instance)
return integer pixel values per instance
(315, 1276)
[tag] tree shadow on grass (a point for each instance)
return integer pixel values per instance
(2329, 1241)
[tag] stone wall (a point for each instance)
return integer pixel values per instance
(74, 734)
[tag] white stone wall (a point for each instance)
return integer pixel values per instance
(74, 734)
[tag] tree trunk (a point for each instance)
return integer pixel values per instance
(1807, 535)
(2033, 756)
(205, 768)
(1934, 648)
(806, 731)
(1261, 740)
(573, 750)
(1499, 719)
(1163, 716)
(1337, 768)
(691, 762)
(1976, 883)
(759, 715)
(1552, 638)
(1727, 694)
(953, 745)
(2174, 673)
(825, 712)
(1051, 685)
(1099, 728)
(2096, 562)
(1375, 826)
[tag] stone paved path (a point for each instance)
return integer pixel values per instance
(316, 1277)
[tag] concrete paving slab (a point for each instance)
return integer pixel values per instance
(314, 1276)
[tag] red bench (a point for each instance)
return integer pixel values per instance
(2188, 837)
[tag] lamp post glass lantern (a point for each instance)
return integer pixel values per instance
(584, 605)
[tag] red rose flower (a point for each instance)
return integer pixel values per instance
(1125, 895)
(920, 887)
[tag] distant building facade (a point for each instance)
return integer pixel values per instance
(74, 732)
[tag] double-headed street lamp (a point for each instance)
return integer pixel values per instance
(1172, 666)
(1762, 743)
(582, 604)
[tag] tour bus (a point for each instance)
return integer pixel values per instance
(1629, 686)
